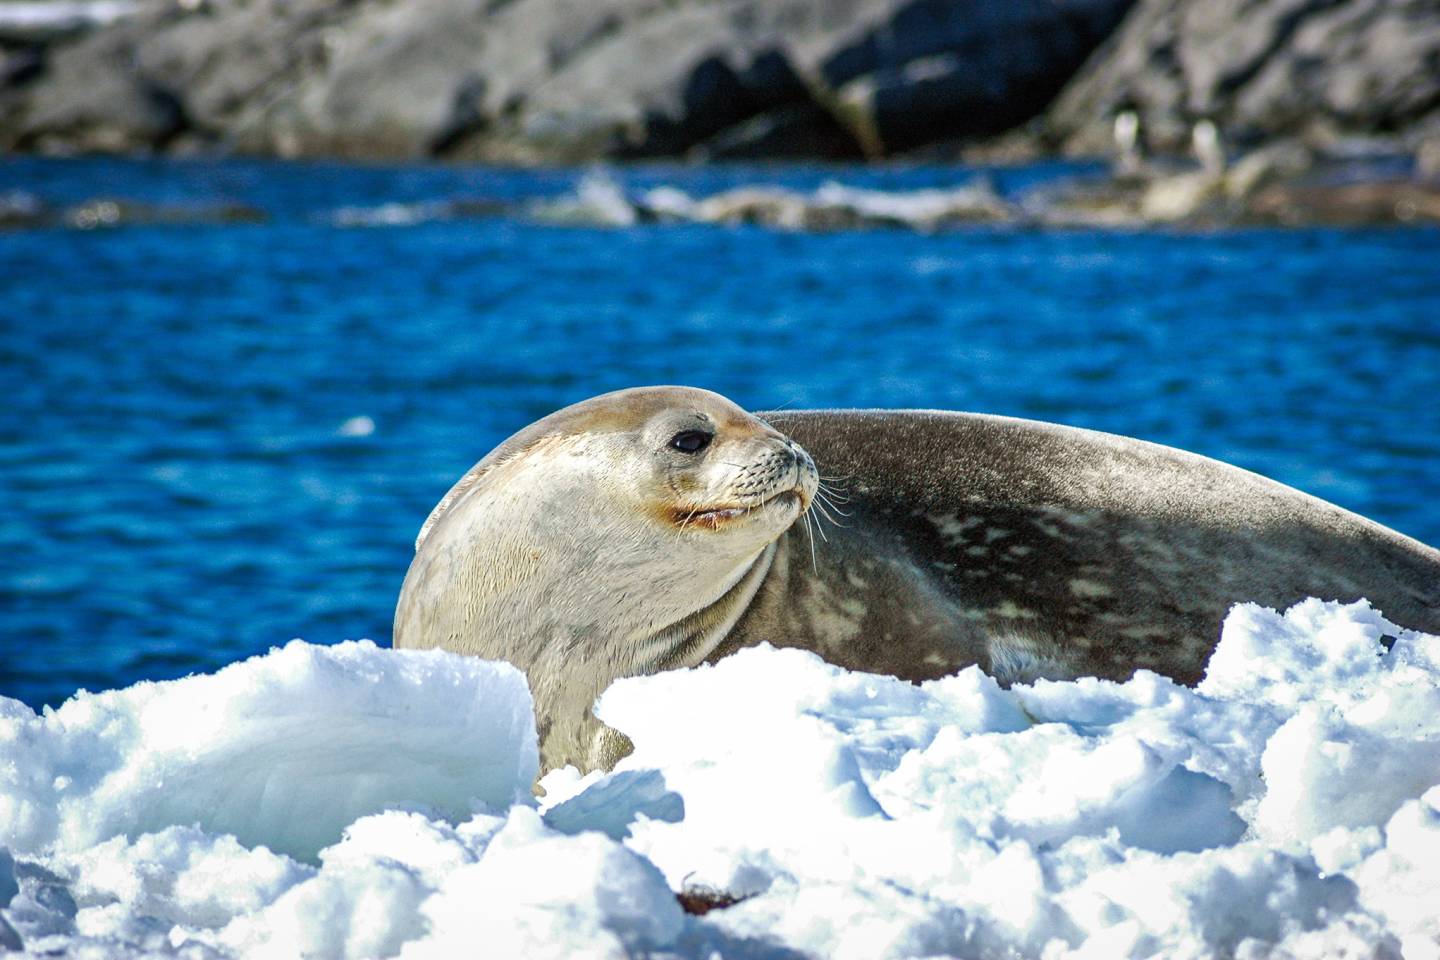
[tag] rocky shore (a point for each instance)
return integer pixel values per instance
(546, 81)
(1268, 188)
(566, 81)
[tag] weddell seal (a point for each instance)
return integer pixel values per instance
(663, 527)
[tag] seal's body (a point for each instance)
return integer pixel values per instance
(656, 528)
(1040, 550)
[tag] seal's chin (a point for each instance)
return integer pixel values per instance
(713, 518)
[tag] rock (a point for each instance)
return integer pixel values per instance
(599, 201)
(18, 67)
(973, 69)
(1427, 159)
(170, 74)
(767, 206)
(1087, 204)
(835, 206)
(229, 61)
(18, 209)
(102, 213)
(925, 210)
(1346, 204)
(381, 81)
(1316, 71)
(1177, 197)
(103, 105)
(1285, 160)
(555, 80)
(798, 131)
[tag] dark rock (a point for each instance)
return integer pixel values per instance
(715, 96)
(795, 131)
(103, 213)
(698, 901)
(962, 69)
(19, 67)
(18, 209)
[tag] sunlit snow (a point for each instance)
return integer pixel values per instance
(361, 802)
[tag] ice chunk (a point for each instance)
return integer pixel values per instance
(538, 893)
(283, 750)
(1289, 806)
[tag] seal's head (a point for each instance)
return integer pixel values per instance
(618, 536)
(694, 465)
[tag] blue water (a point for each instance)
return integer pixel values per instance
(176, 491)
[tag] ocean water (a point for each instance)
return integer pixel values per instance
(214, 438)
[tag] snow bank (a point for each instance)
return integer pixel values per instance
(1289, 806)
(283, 750)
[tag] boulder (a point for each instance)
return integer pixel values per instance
(103, 105)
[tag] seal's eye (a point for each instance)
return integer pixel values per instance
(691, 441)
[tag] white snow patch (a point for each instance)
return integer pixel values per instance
(283, 750)
(1288, 806)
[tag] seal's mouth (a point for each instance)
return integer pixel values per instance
(716, 517)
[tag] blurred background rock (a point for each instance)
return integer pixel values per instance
(565, 81)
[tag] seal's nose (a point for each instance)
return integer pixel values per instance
(772, 433)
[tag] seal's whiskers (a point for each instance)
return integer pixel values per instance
(810, 532)
(823, 509)
(829, 500)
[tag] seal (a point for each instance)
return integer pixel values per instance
(665, 527)
(623, 535)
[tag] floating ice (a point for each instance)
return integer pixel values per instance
(361, 426)
(359, 802)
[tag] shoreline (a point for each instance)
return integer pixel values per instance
(1282, 187)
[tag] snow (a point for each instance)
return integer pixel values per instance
(352, 801)
(283, 750)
